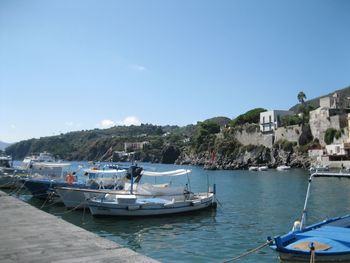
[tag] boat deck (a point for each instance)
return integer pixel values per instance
(31, 235)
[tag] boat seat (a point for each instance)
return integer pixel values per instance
(306, 246)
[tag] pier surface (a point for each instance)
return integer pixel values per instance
(28, 234)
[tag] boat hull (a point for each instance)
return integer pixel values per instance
(77, 198)
(149, 208)
(330, 238)
(291, 258)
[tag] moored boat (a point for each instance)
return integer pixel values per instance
(326, 241)
(283, 168)
(152, 200)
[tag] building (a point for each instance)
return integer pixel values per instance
(271, 120)
(134, 146)
(331, 102)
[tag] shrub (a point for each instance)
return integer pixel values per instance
(329, 135)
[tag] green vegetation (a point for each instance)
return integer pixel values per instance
(332, 133)
(252, 116)
(289, 120)
(205, 136)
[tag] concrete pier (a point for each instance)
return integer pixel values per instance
(28, 234)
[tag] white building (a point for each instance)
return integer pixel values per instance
(271, 120)
(336, 149)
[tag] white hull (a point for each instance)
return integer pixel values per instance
(283, 168)
(76, 197)
(98, 207)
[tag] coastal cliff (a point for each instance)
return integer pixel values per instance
(256, 156)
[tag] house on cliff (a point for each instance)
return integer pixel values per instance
(332, 120)
(271, 120)
(330, 114)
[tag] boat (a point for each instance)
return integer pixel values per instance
(43, 177)
(253, 168)
(43, 185)
(152, 200)
(263, 168)
(326, 241)
(98, 182)
(283, 168)
(319, 168)
(8, 173)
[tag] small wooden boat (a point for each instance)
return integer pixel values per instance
(131, 205)
(326, 241)
(152, 200)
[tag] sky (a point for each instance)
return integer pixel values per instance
(77, 65)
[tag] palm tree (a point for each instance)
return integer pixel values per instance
(301, 97)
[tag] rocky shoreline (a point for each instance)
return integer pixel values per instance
(269, 157)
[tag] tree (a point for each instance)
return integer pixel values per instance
(301, 97)
(252, 116)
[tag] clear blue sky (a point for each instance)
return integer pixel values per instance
(72, 65)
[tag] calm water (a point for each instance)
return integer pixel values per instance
(253, 206)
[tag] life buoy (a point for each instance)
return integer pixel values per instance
(69, 179)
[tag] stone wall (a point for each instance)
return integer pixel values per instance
(290, 133)
(320, 121)
(255, 138)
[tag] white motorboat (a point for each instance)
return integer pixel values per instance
(253, 168)
(151, 200)
(263, 168)
(283, 168)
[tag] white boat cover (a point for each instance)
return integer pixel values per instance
(168, 173)
(108, 171)
(50, 165)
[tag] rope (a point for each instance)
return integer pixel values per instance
(249, 252)
(17, 190)
(49, 196)
(74, 208)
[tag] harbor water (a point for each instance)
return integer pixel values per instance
(251, 206)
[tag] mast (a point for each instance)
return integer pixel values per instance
(303, 216)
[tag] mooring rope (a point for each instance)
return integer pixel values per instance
(249, 252)
(49, 196)
(17, 190)
(74, 208)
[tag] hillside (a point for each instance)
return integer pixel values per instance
(99, 144)
(3, 145)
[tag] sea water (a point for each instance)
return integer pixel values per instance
(251, 206)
